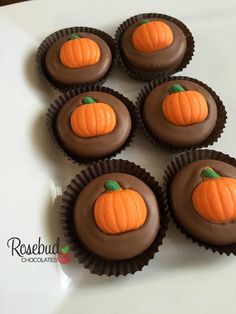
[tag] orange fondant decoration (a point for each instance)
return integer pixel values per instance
(118, 210)
(152, 36)
(183, 107)
(215, 198)
(79, 52)
(92, 118)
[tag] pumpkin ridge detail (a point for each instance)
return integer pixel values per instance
(98, 55)
(79, 125)
(70, 55)
(74, 54)
(106, 213)
(199, 108)
(195, 117)
(180, 109)
(87, 52)
(72, 48)
(106, 116)
(148, 37)
(80, 51)
(136, 211)
(114, 213)
(233, 198)
(185, 96)
(85, 122)
(155, 35)
(139, 40)
(125, 220)
(208, 200)
(226, 191)
(162, 26)
(217, 200)
(95, 118)
(114, 118)
(117, 225)
(101, 218)
(204, 194)
(103, 121)
(218, 190)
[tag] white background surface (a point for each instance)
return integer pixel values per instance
(182, 278)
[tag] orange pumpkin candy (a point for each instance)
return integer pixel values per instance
(79, 52)
(119, 210)
(184, 107)
(152, 36)
(92, 118)
(215, 198)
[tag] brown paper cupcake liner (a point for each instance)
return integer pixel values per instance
(173, 168)
(148, 76)
(43, 48)
(95, 264)
(212, 138)
(61, 100)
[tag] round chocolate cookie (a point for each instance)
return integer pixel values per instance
(189, 107)
(124, 245)
(94, 146)
(161, 60)
(185, 208)
(68, 76)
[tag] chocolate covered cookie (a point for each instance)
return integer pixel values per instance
(180, 113)
(76, 56)
(92, 124)
(203, 197)
(201, 192)
(114, 216)
(152, 45)
(117, 216)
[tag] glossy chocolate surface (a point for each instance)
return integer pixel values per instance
(88, 74)
(181, 190)
(97, 146)
(162, 60)
(124, 245)
(177, 136)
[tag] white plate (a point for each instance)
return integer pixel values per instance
(182, 278)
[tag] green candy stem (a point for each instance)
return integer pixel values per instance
(73, 36)
(112, 185)
(88, 100)
(176, 88)
(144, 21)
(208, 173)
(65, 249)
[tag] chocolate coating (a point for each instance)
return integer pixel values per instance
(121, 246)
(88, 74)
(181, 190)
(162, 60)
(178, 136)
(97, 146)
